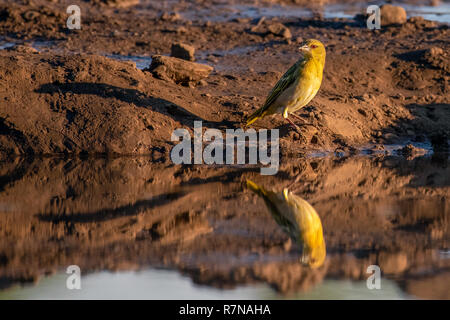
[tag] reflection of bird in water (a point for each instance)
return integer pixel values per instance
(298, 219)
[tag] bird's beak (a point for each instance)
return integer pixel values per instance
(304, 48)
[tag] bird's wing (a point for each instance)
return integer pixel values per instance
(306, 217)
(286, 80)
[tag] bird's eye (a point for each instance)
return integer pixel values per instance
(313, 46)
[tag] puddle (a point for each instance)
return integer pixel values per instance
(141, 62)
(208, 57)
(440, 13)
(208, 231)
(226, 12)
(395, 149)
(6, 45)
(445, 254)
(41, 46)
(234, 51)
(45, 46)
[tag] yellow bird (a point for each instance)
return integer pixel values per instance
(297, 87)
(298, 219)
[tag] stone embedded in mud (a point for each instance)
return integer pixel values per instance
(392, 15)
(280, 30)
(183, 51)
(178, 70)
(276, 28)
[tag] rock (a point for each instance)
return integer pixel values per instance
(392, 15)
(203, 83)
(171, 17)
(178, 70)
(280, 30)
(183, 51)
(276, 28)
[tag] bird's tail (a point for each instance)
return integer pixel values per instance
(258, 114)
(256, 189)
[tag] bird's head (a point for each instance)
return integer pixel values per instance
(315, 48)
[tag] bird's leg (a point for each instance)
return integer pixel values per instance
(296, 127)
(285, 115)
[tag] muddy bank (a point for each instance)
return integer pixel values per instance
(92, 104)
(128, 214)
(80, 104)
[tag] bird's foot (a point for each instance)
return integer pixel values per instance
(305, 122)
(299, 118)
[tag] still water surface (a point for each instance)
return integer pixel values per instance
(162, 284)
(140, 229)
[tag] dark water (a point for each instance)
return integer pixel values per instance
(143, 230)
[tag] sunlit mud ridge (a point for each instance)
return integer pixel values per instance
(127, 214)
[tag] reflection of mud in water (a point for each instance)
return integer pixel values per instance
(128, 214)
